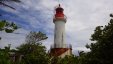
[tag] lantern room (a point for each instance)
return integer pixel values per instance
(59, 11)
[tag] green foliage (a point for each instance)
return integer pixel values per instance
(70, 60)
(3, 2)
(10, 0)
(34, 37)
(4, 56)
(2, 24)
(33, 52)
(66, 60)
(8, 27)
(102, 48)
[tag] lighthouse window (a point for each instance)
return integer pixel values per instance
(55, 36)
(62, 37)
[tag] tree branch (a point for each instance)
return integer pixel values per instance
(1, 3)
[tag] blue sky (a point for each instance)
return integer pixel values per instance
(37, 15)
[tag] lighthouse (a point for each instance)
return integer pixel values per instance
(59, 47)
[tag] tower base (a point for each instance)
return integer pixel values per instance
(60, 52)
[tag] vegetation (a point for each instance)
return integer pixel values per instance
(102, 49)
(33, 52)
(7, 26)
(3, 2)
(4, 56)
(66, 60)
(34, 37)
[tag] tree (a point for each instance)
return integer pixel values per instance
(66, 60)
(5, 55)
(33, 52)
(102, 48)
(69, 60)
(4, 3)
(7, 27)
(34, 37)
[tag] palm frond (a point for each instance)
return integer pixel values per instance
(10, 0)
(1, 3)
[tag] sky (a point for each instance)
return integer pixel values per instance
(37, 15)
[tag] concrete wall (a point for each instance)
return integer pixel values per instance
(59, 35)
(68, 52)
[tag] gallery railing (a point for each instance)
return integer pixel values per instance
(61, 46)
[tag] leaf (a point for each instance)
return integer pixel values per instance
(2, 25)
(0, 38)
(14, 26)
(9, 30)
(16, 0)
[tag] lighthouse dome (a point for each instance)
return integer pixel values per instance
(59, 11)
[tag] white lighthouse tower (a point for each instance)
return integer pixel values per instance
(59, 21)
(60, 48)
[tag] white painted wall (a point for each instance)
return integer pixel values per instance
(68, 52)
(59, 34)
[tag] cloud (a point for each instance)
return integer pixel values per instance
(37, 15)
(15, 39)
